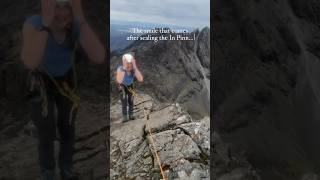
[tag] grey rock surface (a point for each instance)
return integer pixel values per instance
(132, 152)
(182, 143)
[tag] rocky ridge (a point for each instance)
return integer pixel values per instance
(182, 142)
(183, 145)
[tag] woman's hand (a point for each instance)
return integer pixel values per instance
(134, 64)
(137, 73)
(124, 64)
(88, 40)
(48, 11)
(77, 10)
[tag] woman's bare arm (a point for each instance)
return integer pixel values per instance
(34, 41)
(33, 46)
(91, 44)
(120, 76)
(137, 73)
(88, 39)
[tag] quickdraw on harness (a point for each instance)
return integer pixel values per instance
(65, 90)
(132, 90)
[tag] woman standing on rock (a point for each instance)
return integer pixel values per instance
(49, 40)
(125, 77)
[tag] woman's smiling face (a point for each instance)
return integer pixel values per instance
(129, 66)
(63, 15)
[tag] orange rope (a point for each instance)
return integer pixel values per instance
(153, 144)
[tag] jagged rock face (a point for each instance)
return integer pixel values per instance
(181, 143)
(266, 76)
(174, 70)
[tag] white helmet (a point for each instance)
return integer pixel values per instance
(127, 57)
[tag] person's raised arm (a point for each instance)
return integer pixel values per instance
(120, 75)
(88, 40)
(137, 73)
(33, 46)
(33, 40)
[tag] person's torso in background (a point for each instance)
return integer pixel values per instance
(128, 78)
(57, 56)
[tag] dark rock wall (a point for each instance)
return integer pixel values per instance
(266, 83)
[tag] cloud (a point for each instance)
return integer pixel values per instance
(175, 12)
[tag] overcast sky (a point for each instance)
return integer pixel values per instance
(192, 13)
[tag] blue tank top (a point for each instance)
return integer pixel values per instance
(57, 56)
(128, 78)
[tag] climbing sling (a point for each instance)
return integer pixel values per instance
(38, 83)
(132, 90)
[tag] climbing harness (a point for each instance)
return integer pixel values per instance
(65, 89)
(37, 84)
(132, 90)
(62, 87)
